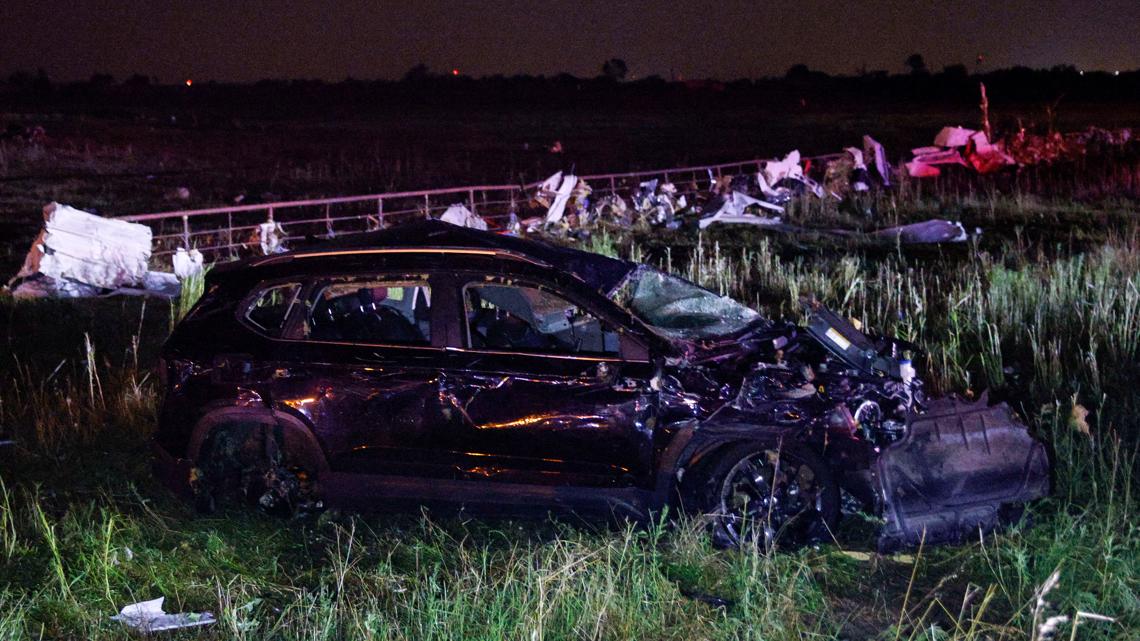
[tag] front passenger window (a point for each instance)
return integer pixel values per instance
(528, 319)
(384, 312)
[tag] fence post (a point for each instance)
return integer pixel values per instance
(186, 232)
(471, 199)
(613, 186)
(427, 205)
(328, 222)
(230, 233)
(380, 212)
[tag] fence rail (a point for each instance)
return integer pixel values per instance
(221, 232)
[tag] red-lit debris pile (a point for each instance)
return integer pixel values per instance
(959, 146)
(1033, 149)
(972, 149)
(81, 254)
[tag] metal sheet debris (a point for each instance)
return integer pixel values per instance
(560, 196)
(148, 617)
(930, 231)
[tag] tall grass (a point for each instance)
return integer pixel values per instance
(84, 529)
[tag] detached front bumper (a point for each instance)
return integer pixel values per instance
(173, 472)
(959, 467)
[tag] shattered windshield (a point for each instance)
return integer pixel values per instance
(677, 308)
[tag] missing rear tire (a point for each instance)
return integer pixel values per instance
(250, 462)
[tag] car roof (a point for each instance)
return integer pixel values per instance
(599, 272)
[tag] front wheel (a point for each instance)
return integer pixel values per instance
(769, 494)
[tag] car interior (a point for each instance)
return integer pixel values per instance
(530, 319)
(371, 312)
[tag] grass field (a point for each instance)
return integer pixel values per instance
(1043, 310)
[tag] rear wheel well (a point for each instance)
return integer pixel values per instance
(299, 444)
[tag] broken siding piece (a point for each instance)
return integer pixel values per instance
(80, 246)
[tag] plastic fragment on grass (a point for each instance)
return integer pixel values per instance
(187, 263)
(148, 616)
(458, 214)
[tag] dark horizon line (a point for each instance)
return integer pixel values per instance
(427, 74)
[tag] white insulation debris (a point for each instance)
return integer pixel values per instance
(81, 246)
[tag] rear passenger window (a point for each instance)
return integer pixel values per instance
(380, 311)
(271, 307)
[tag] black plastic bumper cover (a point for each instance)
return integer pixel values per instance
(956, 469)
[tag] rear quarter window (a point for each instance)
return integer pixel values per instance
(269, 308)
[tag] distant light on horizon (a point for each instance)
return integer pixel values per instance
(455, 72)
(189, 82)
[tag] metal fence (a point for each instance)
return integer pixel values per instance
(228, 232)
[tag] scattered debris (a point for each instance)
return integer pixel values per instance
(158, 284)
(80, 254)
(733, 210)
(930, 231)
(1034, 149)
(459, 214)
(148, 616)
(271, 237)
(873, 150)
(953, 137)
(186, 263)
(561, 197)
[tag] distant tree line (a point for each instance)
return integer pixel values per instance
(801, 88)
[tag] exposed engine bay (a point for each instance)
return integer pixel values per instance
(934, 471)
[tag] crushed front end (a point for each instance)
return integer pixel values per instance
(933, 471)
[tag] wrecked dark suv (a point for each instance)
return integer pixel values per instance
(436, 364)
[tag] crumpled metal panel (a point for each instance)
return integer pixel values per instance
(955, 469)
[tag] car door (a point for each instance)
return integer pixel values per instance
(364, 366)
(543, 392)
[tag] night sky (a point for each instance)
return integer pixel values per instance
(241, 41)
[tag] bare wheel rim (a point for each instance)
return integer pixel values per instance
(766, 497)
